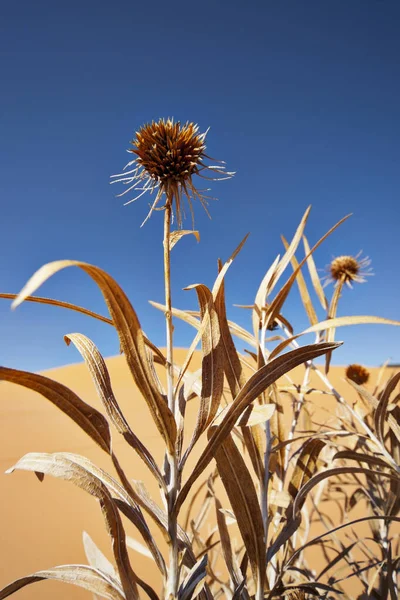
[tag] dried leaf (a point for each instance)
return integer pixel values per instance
(99, 372)
(291, 249)
(332, 473)
(88, 418)
(305, 466)
(314, 275)
(346, 550)
(381, 409)
(190, 587)
(176, 235)
(62, 467)
(79, 309)
(143, 498)
(305, 296)
(130, 335)
(337, 322)
(184, 315)
(277, 303)
(277, 424)
(226, 545)
(61, 304)
(129, 500)
(317, 539)
(311, 587)
(253, 415)
(362, 458)
(394, 426)
(254, 387)
(279, 498)
(232, 366)
(221, 275)
(261, 296)
(242, 334)
(243, 498)
(138, 547)
(212, 361)
(96, 558)
(253, 438)
(291, 526)
(332, 311)
(86, 577)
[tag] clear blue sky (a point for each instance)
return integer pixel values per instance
(303, 100)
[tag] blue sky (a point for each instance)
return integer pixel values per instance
(303, 102)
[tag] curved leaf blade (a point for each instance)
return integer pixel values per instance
(254, 387)
(101, 378)
(81, 575)
(62, 467)
(130, 335)
(88, 418)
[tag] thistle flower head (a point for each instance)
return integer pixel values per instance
(349, 269)
(168, 155)
(357, 373)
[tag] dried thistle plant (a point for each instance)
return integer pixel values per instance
(271, 475)
(358, 374)
(168, 156)
(349, 269)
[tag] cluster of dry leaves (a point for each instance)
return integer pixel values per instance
(245, 512)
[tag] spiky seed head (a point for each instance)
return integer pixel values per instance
(357, 373)
(168, 155)
(169, 152)
(349, 269)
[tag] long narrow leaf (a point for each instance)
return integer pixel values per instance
(88, 418)
(304, 294)
(130, 335)
(314, 275)
(212, 361)
(243, 498)
(254, 387)
(85, 577)
(63, 468)
(277, 303)
(99, 372)
(337, 322)
(381, 409)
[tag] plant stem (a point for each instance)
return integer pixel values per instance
(298, 404)
(168, 306)
(264, 485)
(173, 570)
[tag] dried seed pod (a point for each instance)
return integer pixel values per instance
(168, 155)
(357, 373)
(349, 269)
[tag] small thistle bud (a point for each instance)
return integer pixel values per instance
(349, 269)
(273, 326)
(357, 373)
(168, 155)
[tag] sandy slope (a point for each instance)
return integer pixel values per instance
(42, 523)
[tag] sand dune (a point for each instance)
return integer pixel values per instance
(42, 523)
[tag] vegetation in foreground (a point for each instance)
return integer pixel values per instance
(263, 480)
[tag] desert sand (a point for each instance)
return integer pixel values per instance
(42, 523)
